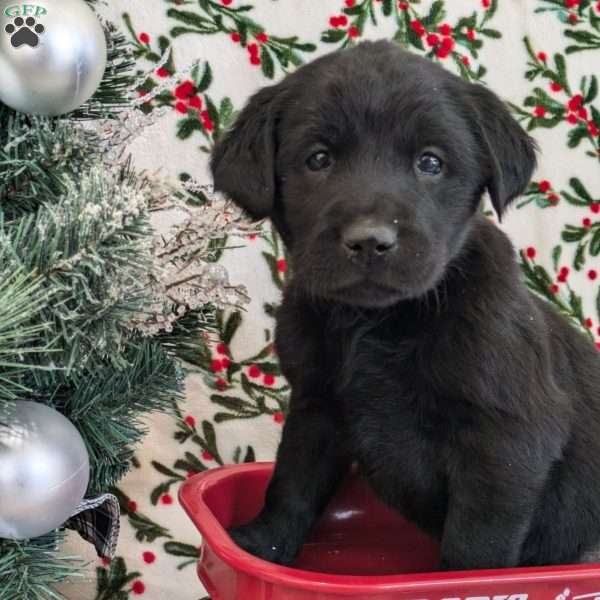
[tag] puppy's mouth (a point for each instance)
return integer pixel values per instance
(372, 294)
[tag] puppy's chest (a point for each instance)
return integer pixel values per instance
(385, 387)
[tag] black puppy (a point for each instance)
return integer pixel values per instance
(410, 341)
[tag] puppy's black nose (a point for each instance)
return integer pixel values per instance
(367, 238)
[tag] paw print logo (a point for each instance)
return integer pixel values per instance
(24, 32)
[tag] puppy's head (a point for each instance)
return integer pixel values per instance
(371, 163)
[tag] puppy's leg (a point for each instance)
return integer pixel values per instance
(492, 499)
(308, 470)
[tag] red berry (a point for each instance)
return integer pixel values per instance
(254, 60)
(343, 20)
(571, 118)
(226, 2)
(595, 207)
(254, 372)
(105, 561)
(554, 288)
(181, 108)
(593, 129)
(189, 420)
(216, 365)
(539, 111)
(251, 237)
(448, 42)
(573, 18)
(162, 72)
(575, 102)
(222, 349)
(432, 39)
(417, 27)
(572, 3)
(442, 52)
(582, 112)
(564, 271)
(207, 455)
(225, 362)
(445, 29)
(403, 5)
(592, 274)
(589, 323)
(235, 37)
(587, 222)
(544, 185)
(334, 22)
(196, 102)
(191, 474)
(278, 417)
(144, 38)
(132, 506)
(268, 379)
(553, 198)
(555, 86)
(221, 384)
(353, 31)
(350, 3)
(562, 278)
(253, 49)
(470, 34)
(184, 90)
(282, 265)
(485, 3)
(598, 343)
(166, 499)
(149, 557)
(263, 38)
(530, 252)
(138, 587)
(465, 60)
(542, 56)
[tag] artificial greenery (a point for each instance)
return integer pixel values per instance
(75, 242)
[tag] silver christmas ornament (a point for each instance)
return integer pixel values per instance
(52, 55)
(44, 470)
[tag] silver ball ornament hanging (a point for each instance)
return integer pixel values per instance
(44, 470)
(52, 55)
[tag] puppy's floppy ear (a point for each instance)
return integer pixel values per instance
(510, 151)
(243, 161)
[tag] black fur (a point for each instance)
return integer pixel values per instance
(470, 405)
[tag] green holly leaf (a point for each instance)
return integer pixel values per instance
(231, 326)
(573, 234)
(580, 190)
(165, 470)
(204, 82)
(180, 549)
(231, 403)
(491, 33)
(576, 135)
(268, 67)
(592, 90)
(579, 258)
(595, 243)
(187, 126)
(436, 14)
(556, 254)
(332, 36)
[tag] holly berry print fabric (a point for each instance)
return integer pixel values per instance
(541, 56)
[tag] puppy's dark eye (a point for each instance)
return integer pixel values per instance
(429, 164)
(318, 161)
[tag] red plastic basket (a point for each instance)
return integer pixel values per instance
(359, 549)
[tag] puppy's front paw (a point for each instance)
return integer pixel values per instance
(267, 542)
